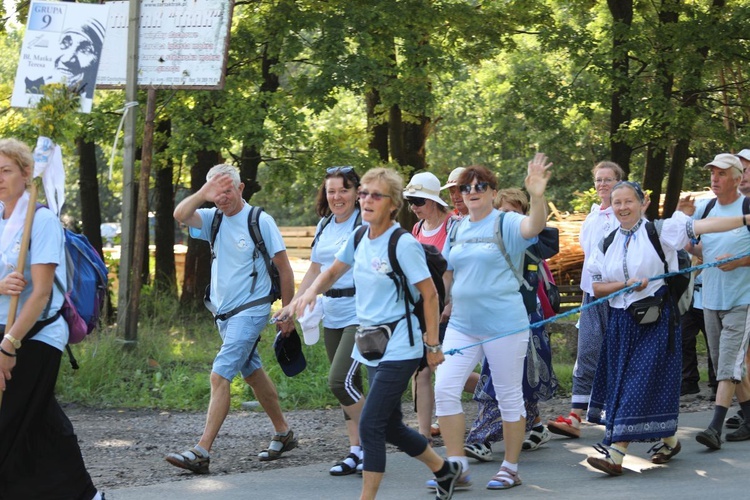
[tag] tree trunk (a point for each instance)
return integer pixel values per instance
(692, 80)
(656, 159)
(251, 154)
(91, 213)
(622, 20)
(376, 125)
(164, 237)
(198, 258)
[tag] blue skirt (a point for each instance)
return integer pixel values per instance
(636, 392)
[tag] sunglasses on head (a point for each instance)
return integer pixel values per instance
(479, 187)
(416, 201)
(375, 196)
(336, 170)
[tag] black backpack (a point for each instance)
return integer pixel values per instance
(260, 251)
(680, 285)
(436, 263)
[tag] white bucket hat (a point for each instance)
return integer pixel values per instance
(453, 177)
(424, 185)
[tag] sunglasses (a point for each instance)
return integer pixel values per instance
(336, 170)
(416, 201)
(375, 196)
(479, 187)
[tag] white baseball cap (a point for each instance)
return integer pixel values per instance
(744, 154)
(453, 177)
(424, 185)
(725, 161)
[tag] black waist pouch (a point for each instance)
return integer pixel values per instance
(372, 341)
(648, 310)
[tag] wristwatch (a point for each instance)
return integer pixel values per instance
(10, 338)
(433, 348)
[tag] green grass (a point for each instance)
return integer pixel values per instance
(170, 365)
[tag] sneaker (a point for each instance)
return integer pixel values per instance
(192, 460)
(709, 438)
(479, 451)
(463, 483)
(736, 421)
(446, 484)
(279, 444)
(536, 439)
(741, 434)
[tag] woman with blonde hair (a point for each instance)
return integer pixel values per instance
(39, 452)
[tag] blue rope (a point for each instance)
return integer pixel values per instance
(596, 302)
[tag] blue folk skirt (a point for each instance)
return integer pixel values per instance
(636, 392)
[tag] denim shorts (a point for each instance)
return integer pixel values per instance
(240, 335)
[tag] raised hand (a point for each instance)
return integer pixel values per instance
(537, 176)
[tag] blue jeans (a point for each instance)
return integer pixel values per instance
(381, 420)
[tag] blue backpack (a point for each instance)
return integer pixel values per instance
(86, 287)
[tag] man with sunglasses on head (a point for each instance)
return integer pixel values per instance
(241, 306)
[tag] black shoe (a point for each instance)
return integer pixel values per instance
(689, 389)
(709, 438)
(736, 421)
(741, 434)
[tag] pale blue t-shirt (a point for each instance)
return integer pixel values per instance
(47, 247)
(485, 295)
(234, 265)
(724, 290)
(339, 312)
(377, 300)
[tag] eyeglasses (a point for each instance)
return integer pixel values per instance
(375, 196)
(336, 170)
(608, 180)
(416, 201)
(479, 187)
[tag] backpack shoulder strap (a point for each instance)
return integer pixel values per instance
(215, 223)
(326, 220)
(392, 243)
(399, 278)
(709, 206)
(501, 246)
(653, 236)
(607, 241)
(746, 208)
(358, 235)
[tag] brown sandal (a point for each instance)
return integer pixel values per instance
(663, 453)
(279, 444)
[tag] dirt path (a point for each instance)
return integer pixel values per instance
(127, 447)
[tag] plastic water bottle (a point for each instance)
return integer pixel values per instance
(531, 276)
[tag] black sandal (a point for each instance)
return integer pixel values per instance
(343, 468)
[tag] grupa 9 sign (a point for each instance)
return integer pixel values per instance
(182, 43)
(63, 44)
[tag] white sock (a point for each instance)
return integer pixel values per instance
(201, 449)
(98, 496)
(357, 450)
(464, 462)
(510, 466)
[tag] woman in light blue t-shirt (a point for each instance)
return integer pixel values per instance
(337, 205)
(484, 302)
(379, 303)
(39, 452)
